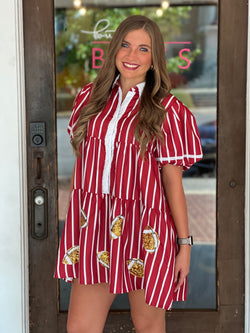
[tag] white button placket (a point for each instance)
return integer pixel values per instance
(110, 138)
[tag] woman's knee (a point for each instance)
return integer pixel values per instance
(75, 326)
(81, 326)
(145, 324)
(141, 323)
(146, 318)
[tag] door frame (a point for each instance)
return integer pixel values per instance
(247, 193)
(40, 106)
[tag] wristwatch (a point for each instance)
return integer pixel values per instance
(185, 241)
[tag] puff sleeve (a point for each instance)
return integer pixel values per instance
(80, 100)
(182, 144)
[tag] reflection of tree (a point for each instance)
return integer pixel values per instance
(74, 49)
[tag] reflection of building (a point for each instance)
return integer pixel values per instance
(14, 282)
(202, 78)
(207, 31)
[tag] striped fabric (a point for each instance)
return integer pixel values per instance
(118, 228)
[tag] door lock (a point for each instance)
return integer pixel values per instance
(38, 134)
(39, 213)
(39, 200)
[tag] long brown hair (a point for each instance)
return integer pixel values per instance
(151, 112)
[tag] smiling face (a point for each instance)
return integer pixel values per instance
(134, 58)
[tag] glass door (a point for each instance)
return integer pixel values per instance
(214, 187)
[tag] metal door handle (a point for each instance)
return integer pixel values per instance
(39, 213)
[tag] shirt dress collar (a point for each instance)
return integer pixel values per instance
(139, 86)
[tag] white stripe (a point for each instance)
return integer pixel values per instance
(98, 168)
(169, 101)
(84, 163)
(153, 201)
(179, 135)
(85, 242)
(135, 168)
(65, 237)
(131, 121)
(124, 257)
(125, 138)
(92, 166)
(169, 159)
(106, 198)
(82, 166)
(129, 171)
(159, 267)
(173, 272)
(194, 149)
(117, 157)
(123, 162)
(71, 128)
(117, 254)
(172, 136)
(148, 181)
(93, 238)
(140, 247)
(175, 112)
(186, 135)
(104, 118)
(132, 239)
(74, 171)
(82, 270)
(195, 132)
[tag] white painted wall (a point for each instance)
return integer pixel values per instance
(13, 199)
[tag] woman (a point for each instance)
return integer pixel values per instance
(132, 139)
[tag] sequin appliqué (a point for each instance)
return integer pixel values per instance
(116, 227)
(71, 257)
(103, 258)
(135, 267)
(150, 239)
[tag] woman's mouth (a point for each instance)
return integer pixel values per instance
(130, 66)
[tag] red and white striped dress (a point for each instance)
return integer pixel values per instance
(119, 229)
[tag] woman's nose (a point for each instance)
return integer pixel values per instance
(131, 53)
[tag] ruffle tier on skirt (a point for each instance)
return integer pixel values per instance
(120, 242)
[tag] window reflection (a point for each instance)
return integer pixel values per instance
(190, 35)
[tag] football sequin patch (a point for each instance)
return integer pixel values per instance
(103, 258)
(71, 257)
(150, 239)
(84, 219)
(116, 227)
(135, 267)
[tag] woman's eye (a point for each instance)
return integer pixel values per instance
(144, 49)
(124, 45)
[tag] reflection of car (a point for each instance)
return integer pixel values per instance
(207, 165)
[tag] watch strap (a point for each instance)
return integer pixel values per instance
(185, 241)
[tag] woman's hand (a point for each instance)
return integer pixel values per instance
(182, 263)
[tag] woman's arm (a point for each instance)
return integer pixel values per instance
(172, 183)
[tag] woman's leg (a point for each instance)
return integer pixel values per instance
(89, 307)
(146, 318)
